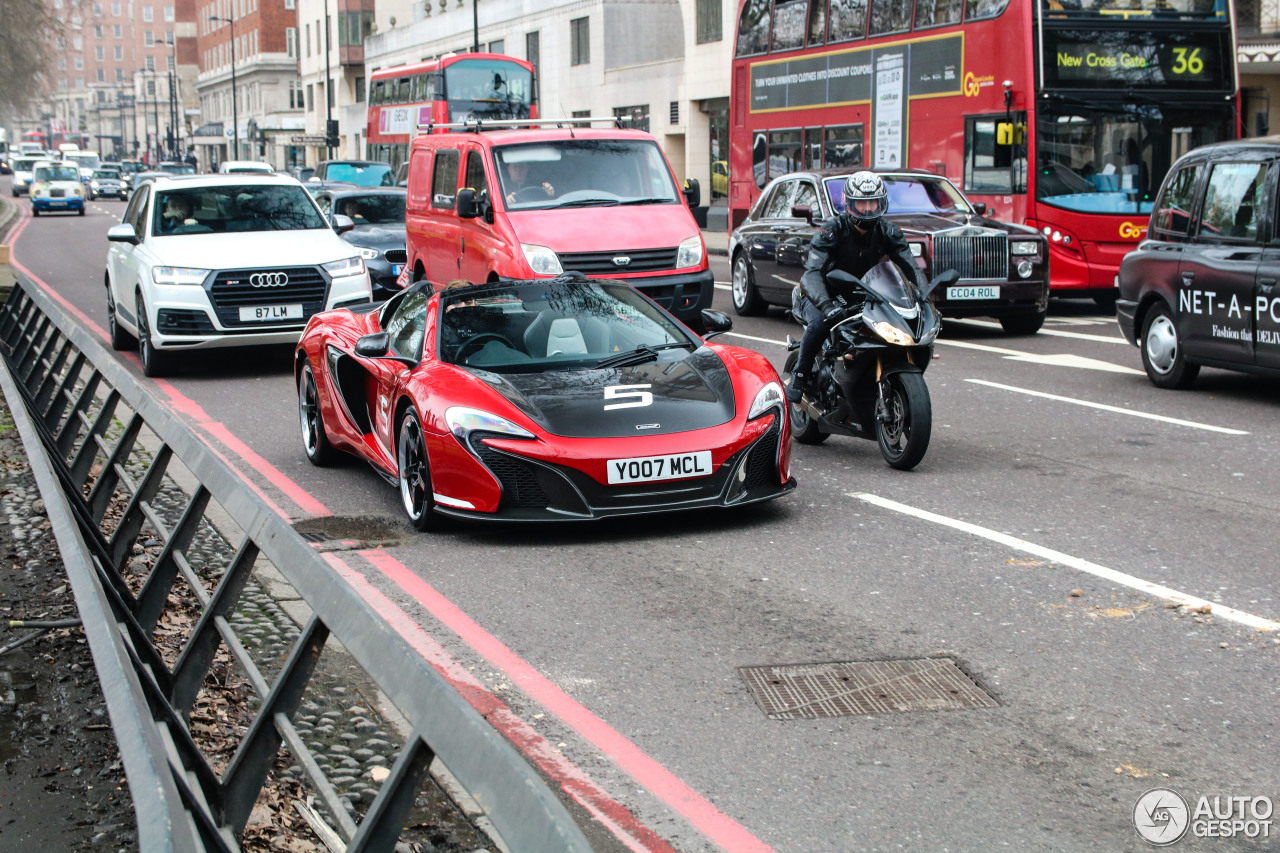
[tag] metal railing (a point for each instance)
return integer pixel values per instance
(102, 448)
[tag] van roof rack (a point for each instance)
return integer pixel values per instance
(476, 125)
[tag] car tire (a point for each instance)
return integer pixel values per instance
(120, 339)
(904, 438)
(1023, 324)
(803, 429)
(1162, 354)
(413, 470)
(315, 439)
(1106, 301)
(81, 212)
(155, 363)
(746, 299)
(35, 211)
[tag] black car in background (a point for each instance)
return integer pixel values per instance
(1004, 268)
(1203, 287)
(378, 214)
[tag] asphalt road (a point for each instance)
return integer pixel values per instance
(1053, 461)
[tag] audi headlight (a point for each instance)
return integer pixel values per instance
(1024, 247)
(178, 275)
(892, 334)
(769, 397)
(690, 254)
(346, 266)
(541, 260)
(462, 420)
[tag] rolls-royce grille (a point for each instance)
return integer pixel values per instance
(973, 256)
(234, 289)
(619, 262)
(396, 256)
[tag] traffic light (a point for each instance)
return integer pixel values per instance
(331, 133)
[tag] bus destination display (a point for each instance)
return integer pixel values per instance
(1091, 59)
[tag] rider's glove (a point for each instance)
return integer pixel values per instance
(831, 312)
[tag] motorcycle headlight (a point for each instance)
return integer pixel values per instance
(541, 260)
(690, 254)
(369, 254)
(769, 397)
(892, 334)
(462, 420)
(346, 266)
(178, 275)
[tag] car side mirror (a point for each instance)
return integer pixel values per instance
(802, 211)
(692, 192)
(946, 278)
(374, 345)
(979, 207)
(343, 224)
(123, 233)
(715, 323)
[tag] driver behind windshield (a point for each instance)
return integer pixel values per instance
(518, 181)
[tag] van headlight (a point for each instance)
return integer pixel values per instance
(178, 275)
(690, 254)
(541, 260)
(344, 267)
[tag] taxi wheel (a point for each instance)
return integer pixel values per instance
(35, 211)
(1162, 353)
(415, 474)
(746, 299)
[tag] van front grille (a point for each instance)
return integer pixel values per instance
(619, 262)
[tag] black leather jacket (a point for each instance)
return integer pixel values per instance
(839, 245)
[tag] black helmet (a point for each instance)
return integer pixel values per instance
(861, 186)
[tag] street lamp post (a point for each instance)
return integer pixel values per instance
(155, 111)
(328, 84)
(235, 114)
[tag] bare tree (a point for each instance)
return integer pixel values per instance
(26, 40)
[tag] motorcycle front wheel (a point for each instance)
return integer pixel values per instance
(803, 429)
(904, 435)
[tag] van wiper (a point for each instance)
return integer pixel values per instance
(641, 354)
(589, 202)
(648, 201)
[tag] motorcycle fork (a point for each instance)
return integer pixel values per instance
(884, 389)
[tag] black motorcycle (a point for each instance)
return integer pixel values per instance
(869, 381)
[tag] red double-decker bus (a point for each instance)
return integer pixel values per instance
(453, 88)
(1063, 114)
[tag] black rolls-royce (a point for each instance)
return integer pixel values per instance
(1004, 268)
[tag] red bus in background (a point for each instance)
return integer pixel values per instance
(1062, 114)
(453, 88)
(71, 137)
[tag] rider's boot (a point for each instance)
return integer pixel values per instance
(795, 388)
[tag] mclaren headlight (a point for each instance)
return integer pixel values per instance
(769, 397)
(463, 421)
(892, 334)
(541, 260)
(346, 266)
(690, 253)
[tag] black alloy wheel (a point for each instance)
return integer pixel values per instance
(415, 473)
(803, 429)
(315, 441)
(903, 433)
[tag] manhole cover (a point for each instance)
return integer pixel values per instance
(811, 690)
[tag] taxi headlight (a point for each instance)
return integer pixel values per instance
(768, 397)
(344, 267)
(178, 275)
(541, 260)
(892, 334)
(690, 254)
(78, 192)
(463, 420)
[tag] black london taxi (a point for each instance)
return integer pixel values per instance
(1201, 288)
(1004, 268)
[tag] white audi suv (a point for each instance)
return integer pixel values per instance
(208, 261)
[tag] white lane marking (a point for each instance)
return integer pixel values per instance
(754, 338)
(1079, 336)
(1057, 360)
(1106, 408)
(723, 285)
(1103, 572)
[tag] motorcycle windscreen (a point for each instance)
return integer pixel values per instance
(887, 281)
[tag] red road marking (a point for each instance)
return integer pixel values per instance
(664, 784)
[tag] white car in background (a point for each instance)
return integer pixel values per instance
(238, 167)
(210, 261)
(23, 166)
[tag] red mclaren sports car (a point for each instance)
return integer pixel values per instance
(558, 399)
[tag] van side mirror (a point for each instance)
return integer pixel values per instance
(343, 224)
(122, 233)
(715, 323)
(468, 207)
(692, 192)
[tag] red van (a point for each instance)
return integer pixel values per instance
(536, 201)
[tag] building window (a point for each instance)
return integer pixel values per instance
(102, 75)
(291, 42)
(149, 39)
(62, 63)
(117, 31)
(119, 53)
(148, 14)
(97, 31)
(168, 37)
(580, 41)
(295, 95)
(311, 101)
(79, 63)
(710, 16)
(499, 46)
(636, 117)
(119, 75)
(168, 14)
(360, 91)
(151, 87)
(97, 10)
(291, 4)
(151, 63)
(115, 10)
(168, 62)
(77, 43)
(308, 34)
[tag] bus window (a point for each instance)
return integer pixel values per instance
(842, 147)
(402, 90)
(753, 28)
(817, 22)
(784, 151)
(811, 154)
(890, 16)
(375, 97)
(788, 24)
(936, 13)
(989, 165)
(420, 88)
(848, 20)
(976, 9)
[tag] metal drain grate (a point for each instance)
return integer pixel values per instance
(812, 690)
(315, 536)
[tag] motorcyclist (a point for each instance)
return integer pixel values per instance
(854, 241)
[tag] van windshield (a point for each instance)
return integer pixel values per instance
(584, 173)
